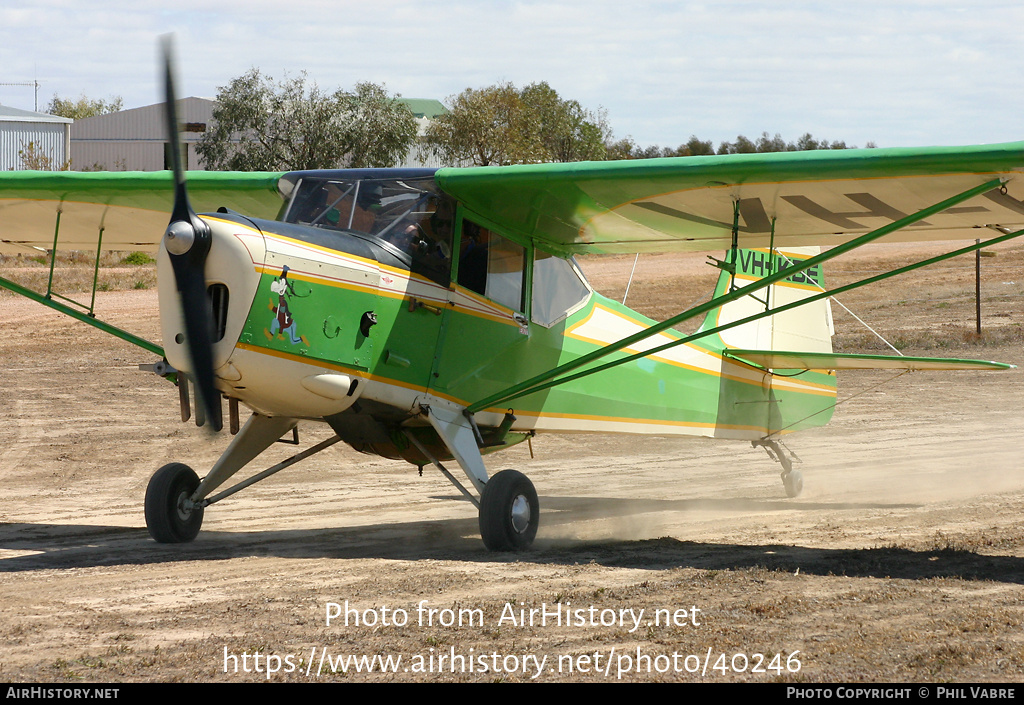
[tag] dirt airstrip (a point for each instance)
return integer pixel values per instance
(672, 559)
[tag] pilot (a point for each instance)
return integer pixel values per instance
(473, 258)
(430, 237)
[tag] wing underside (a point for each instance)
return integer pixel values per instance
(789, 199)
(131, 209)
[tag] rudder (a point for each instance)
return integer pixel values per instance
(805, 328)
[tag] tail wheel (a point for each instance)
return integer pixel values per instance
(509, 512)
(170, 517)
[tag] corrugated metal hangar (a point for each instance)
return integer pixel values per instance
(136, 139)
(23, 132)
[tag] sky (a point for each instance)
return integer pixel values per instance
(894, 73)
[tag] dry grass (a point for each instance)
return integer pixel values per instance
(932, 308)
(74, 270)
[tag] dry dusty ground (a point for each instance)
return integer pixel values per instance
(902, 561)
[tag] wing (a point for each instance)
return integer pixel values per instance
(132, 208)
(787, 199)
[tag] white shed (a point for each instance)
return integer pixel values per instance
(46, 137)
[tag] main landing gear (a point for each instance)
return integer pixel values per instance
(792, 479)
(176, 498)
(509, 511)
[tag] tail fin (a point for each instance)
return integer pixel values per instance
(785, 403)
(805, 328)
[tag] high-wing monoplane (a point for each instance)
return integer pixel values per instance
(437, 316)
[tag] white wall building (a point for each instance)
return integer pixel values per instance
(47, 137)
(424, 110)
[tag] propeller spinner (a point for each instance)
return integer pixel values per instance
(187, 241)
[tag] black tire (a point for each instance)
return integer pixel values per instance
(509, 512)
(793, 481)
(166, 520)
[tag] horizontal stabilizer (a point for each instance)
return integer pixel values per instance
(785, 360)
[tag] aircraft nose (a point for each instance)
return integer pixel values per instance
(233, 267)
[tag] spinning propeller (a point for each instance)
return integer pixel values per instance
(187, 241)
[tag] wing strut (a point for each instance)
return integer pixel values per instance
(82, 316)
(88, 313)
(551, 377)
(795, 304)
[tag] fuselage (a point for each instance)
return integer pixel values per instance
(375, 294)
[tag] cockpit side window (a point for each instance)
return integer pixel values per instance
(492, 265)
(559, 289)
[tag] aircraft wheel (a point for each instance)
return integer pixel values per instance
(167, 518)
(793, 481)
(509, 512)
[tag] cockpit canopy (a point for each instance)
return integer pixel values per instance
(405, 213)
(408, 213)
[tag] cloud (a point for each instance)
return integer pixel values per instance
(897, 73)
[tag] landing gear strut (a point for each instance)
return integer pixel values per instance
(509, 511)
(792, 479)
(176, 498)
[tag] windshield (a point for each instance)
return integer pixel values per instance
(409, 214)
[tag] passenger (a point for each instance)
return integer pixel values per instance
(360, 215)
(367, 207)
(473, 258)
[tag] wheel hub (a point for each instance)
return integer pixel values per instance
(184, 506)
(520, 514)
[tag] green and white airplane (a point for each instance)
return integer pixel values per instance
(438, 315)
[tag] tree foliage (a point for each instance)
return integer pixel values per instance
(483, 126)
(501, 125)
(627, 149)
(83, 107)
(565, 130)
(263, 125)
(381, 131)
(764, 143)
